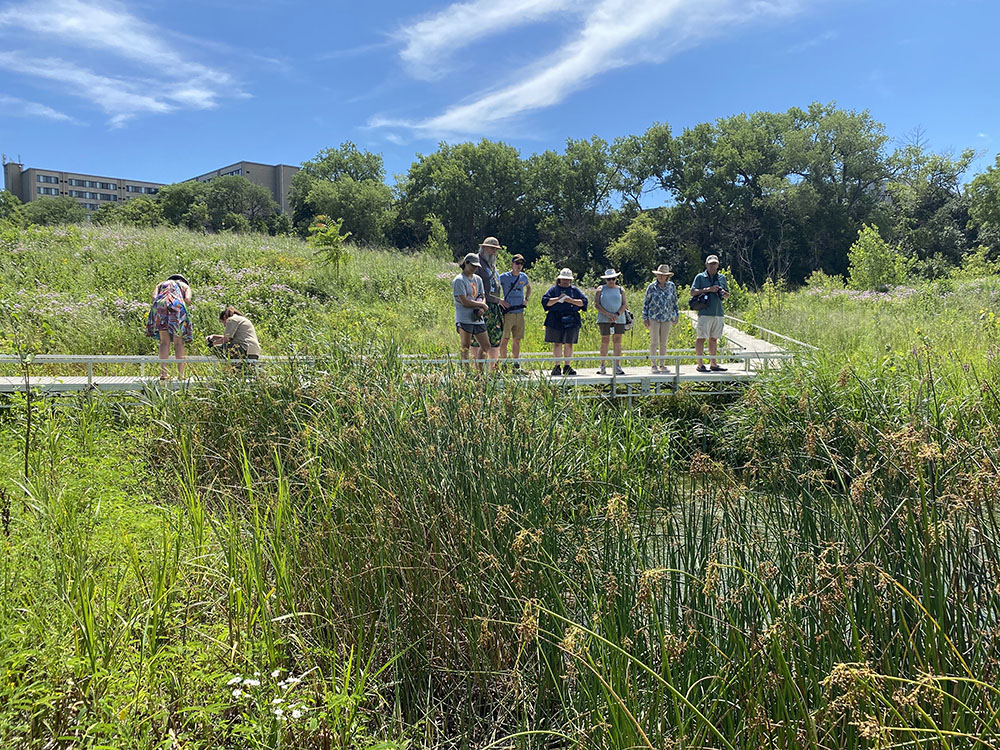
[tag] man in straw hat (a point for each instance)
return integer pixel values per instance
(711, 320)
(659, 313)
(563, 304)
(470, 304)
(487, 271)
(611, 306)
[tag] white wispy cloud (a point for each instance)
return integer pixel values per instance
(615, 34)
(14, 106)
(431, 42)
(157, 78)
(815, 41)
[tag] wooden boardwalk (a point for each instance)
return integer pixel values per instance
(745, 356)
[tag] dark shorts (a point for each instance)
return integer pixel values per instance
(562, 335)
(607, 329)
(472, 328)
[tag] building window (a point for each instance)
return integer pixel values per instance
(48, 178)
(107, 186)
(48, 191)
(108, 197)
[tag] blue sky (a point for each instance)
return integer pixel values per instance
(166, 90)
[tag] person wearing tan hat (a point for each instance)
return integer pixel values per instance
(487, 271)
(470, 304)
(563, 304)
(713, 286)
(516, 288)
(611, 306)
(659, 313)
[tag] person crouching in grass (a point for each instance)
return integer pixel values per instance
(239, 340)
(470, 304)
(516, 288)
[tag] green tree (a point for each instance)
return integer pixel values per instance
(177, 199)
(984, 196)
(61, 210)
(364, 172)
(475, 189)
(11, 208)
(233, 195)
(636, 251)
(361, 204)
(873, 264)
(326, 236)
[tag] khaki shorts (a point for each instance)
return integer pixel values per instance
(709, 327)
(513, 325)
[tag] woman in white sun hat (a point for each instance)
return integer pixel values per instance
(563, 304)
(659, 313)
(611, 306)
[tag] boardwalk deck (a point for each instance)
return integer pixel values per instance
(745, 356)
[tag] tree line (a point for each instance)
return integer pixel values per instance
(776, 195)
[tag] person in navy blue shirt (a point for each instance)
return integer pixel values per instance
(563, 304)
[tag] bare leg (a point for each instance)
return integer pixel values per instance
(494, 354)
(699, 349)
(604, 349)
(464, 342)
(713, 347)
(503, 347)
(179, 352)
(654, 335)
(567, 353)
(556, 354)
(164, 352)
(616, 342)
(484, 350)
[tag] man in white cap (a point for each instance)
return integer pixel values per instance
(470, 304)
(713, 286)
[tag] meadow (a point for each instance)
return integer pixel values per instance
(352, 556)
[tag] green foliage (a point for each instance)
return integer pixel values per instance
(636, 251)
(874, 264)
(984, 194)
(177, 201)
(821, 280)
(437, 239)
(11, 208)
(141, 211)
(325, 236)
(54, 210)
(234, 195)
(361, 205)
(978, 264)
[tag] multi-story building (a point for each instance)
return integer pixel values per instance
(91, 191)
(275, 177)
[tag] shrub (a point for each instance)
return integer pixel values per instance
(875, 265)
(325, 236)
(437, 239)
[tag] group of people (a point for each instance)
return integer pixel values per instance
(489, 312)
(169, 321)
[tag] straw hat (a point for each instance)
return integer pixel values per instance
(611, 274)
(491, 242)
(470, 258)
(178, 277)
(566, 273)
(663, 270)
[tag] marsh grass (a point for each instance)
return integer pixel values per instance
(391, 559)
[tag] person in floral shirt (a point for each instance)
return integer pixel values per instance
(659, 313)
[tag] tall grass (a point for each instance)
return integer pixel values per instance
(355, 555)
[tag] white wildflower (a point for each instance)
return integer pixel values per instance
(251, 683)
(275, 673)
(237, 693)
(296, 714)
(277, 701)
(235, 680)
(293, 680)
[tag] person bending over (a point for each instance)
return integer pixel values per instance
(239, 339)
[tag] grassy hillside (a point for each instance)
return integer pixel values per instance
(355, 557)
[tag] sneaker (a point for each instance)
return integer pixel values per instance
(716, 368)
(516, 366)
(701, 368)
(556, 372)
(602, 371)
(654, 370)
(619, 370)
(567, 370)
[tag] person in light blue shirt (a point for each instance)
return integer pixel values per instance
(611, 306)
(516, 289)
(711, 320)
(659, 313)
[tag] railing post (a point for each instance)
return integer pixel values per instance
(90, 374)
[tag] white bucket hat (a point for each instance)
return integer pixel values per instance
(611, 274)
(566, 273)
